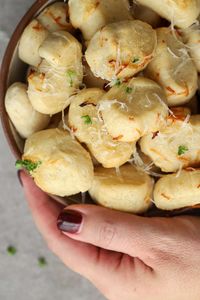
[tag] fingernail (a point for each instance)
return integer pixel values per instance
(19, 177)
(69, 221)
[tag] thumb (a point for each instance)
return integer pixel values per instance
(116, 231)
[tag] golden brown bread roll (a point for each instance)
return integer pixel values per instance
(177, 145)
(182, 13)
(173, 68)
(55, 17)
(64, 167)
(175, 192)
(120, 50)
(128, 191)
(131, 110)
(87, 125)
(91, 15)
(22, 114)
(32, 38)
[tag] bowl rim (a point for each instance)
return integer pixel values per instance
(4, 72)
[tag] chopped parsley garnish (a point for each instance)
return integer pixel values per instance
(42, 262)
(71, 74)
(11, 250)
(182, 149)
(87, 120)
(135, 60)
(117, 82)
(129, 90)
(27, 164)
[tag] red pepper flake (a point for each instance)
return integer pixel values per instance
(87, 103)
(179, 114)
(73, 129)
(32, 72)
(155, 134)
(121, 68)
(118, 138)
(56, 20)
(172, 92)
(178, 32)
(187, 91)
(42, 76)
(112, 62)
(38, 27)
(166, 197)
(97, 4)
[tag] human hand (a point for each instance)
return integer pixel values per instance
(126, 257)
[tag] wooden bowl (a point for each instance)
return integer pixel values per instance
(13, 70)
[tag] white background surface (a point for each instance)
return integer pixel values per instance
(20, 276)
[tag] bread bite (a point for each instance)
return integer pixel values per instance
(128, 191)
(181, 13)
(62, 50)
(63, 166)
(24, 117)
(176, 146)
(91, 15)
(49, 89)
(131, 110)
(120, 50)
(175, 192)
(32, 38)
(173, 68)
(55, 17)
(87, 125)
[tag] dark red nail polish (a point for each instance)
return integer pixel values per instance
(69, 221)
(19, 177)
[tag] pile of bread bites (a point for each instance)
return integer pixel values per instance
(109, 106)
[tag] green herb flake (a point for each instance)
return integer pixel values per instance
(42, 262)
(129, 90)
(71, 74)
(11, 250)
(117, 82)
(27, 164)
(182, 149)
(87, 120)
(135, 60)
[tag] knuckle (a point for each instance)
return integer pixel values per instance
(107, 234)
